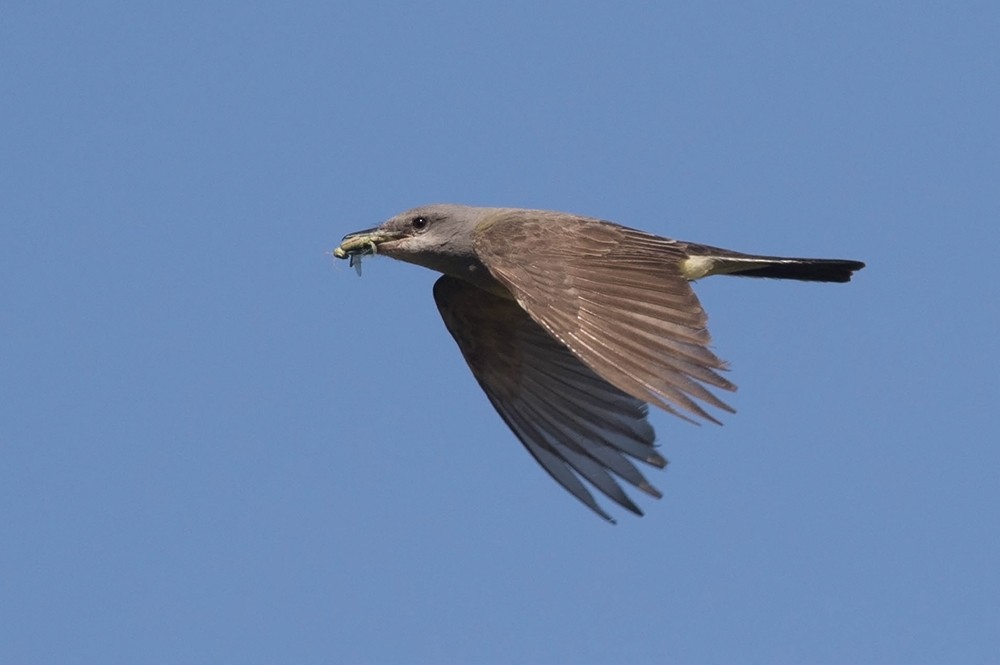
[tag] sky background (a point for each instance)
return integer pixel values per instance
(218, 445)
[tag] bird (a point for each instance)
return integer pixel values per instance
(573, 325)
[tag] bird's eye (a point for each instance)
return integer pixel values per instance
(419, 223)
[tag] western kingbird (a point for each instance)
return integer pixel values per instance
(571, 325)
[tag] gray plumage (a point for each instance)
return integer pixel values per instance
(571, 325)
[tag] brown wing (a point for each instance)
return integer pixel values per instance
(574, 423)
(616, 297)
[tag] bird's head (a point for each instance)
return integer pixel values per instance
(439, 237)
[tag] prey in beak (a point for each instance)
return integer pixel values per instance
(356, 245)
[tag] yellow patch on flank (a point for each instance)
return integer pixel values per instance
(696, 267)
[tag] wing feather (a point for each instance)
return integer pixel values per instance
(616, 297)
(574, 423)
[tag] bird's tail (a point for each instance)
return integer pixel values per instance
(706, 261)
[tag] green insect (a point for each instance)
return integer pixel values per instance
(355, 248)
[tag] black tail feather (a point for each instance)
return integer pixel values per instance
(807, 270)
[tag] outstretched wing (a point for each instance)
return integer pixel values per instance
(574, 423)
(617, 298)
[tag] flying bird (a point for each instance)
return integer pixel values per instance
(572, 325)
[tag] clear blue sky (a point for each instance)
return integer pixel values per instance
(218, 445)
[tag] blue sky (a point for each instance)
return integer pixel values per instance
(219, 445)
